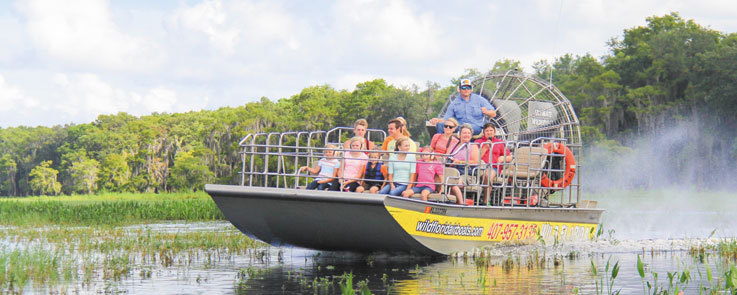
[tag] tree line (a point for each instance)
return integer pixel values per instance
(671, 70)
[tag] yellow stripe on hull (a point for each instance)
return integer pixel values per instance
(427, 224)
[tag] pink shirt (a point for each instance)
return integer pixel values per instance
(441, 145)
(426, 172)
(354, 165)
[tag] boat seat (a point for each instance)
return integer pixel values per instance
(450, 176)
(529, 161)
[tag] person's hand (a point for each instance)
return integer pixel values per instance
(302, 169)
(483, 109)
(434, 121)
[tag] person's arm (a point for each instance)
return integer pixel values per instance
(310, 169)
(474, 158)
(390, 180)
(442, 184)
(434, 141)
(412, 178)
(488, 109)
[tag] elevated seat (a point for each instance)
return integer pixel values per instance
(527, 164)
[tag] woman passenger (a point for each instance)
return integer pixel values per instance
(402, 170)
(465, 156)
(496, 151)
(442, 143)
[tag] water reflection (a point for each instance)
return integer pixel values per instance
(520, 270)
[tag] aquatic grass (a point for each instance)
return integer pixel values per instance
(113, 209)
(143, 240)
(56, 255)
(40, 266)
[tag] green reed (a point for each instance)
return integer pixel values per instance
(112, 209)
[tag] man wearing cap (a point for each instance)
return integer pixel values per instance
(468, 108)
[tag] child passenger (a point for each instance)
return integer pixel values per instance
(373, 176)
(426, 169)
(328, 168)
(401, 169)
(354, 165)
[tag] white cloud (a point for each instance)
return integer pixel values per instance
(393, 28)
(83, 33)
(160, 99)
(13, 99)
(239, 23)
(86, 96)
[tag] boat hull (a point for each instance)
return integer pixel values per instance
(338, 221)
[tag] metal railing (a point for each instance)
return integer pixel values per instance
(274, 160)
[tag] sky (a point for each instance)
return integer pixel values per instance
(65, 62)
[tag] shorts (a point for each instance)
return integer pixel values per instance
(418, 190)
(368, 184)
(351, 187)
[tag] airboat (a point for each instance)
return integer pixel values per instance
(536, 196)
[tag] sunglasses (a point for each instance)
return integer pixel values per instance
(466, 87)
(450, 126)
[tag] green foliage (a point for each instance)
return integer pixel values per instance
(189, 172)
(107, 209)
(43, 179)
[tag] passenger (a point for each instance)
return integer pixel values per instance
(466, 108)
(426, 169)
(373, 176)
(402, 170)
(327, 170)
(405, 127)
(359, 129)
(465, 153)
(465, 157)
(442, 143)
(396, 130)
(354, 165)
(499, 154)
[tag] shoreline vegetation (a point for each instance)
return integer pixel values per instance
(110, 209)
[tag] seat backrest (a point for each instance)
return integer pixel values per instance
(528, 161)
(450, 172)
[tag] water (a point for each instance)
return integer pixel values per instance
(659, 227)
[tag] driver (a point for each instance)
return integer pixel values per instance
(468, 108)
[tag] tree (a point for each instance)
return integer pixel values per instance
(189, 172)
(114, 173)
(8, 168)
(43, 179)
(84, 175)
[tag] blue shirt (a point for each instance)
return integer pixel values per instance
(327, 168)
(468, 111)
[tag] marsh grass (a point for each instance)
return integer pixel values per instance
(108, 209)
(44, 257)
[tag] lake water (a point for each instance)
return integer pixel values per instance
(659, 227)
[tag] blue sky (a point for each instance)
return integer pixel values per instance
(69, 61)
